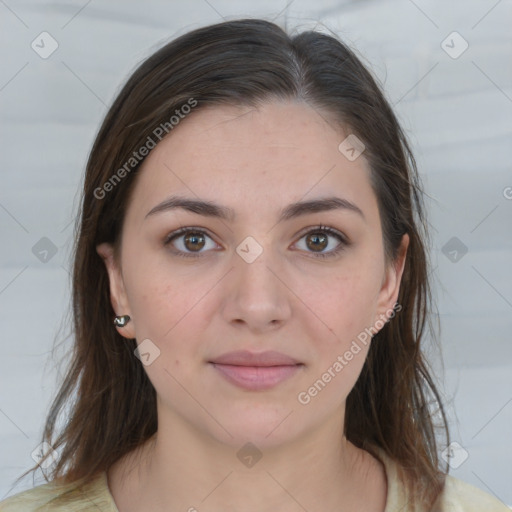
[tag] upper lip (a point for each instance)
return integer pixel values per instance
(246, 358)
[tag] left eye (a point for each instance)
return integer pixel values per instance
(189, 242)
(318, 238)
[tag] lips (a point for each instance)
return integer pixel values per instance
(256, 372)
(245, 358)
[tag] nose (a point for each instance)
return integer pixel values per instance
(256, 294)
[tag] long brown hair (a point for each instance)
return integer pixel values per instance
(112, 404)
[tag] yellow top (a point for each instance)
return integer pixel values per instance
(458, 496)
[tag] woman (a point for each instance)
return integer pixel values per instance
(250, 291)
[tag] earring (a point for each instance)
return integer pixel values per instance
(121, 321)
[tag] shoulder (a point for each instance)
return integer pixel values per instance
(52, 497)
(459, 496)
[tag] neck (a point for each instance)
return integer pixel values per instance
(181, 468)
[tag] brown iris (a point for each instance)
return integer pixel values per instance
(315, 238)
(194, 241)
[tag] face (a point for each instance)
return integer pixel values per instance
(306, 284)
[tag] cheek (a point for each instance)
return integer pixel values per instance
(166, 303)
(345, 304)
(340, 355)
(171, 316)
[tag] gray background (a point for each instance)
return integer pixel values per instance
(456, 109)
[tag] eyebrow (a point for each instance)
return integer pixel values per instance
(293, 210)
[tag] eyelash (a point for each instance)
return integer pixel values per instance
(324, 229)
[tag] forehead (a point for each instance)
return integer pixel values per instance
(247, 158)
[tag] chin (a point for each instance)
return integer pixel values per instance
(265, 428)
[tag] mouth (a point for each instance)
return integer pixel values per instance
(256, 372)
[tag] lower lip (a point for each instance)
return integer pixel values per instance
(256, 378)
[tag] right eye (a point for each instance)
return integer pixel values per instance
(186, 240)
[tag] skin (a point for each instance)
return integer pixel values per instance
(255, 161)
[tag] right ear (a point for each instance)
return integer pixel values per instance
(118, 296)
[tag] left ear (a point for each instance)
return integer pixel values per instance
(388, 294)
